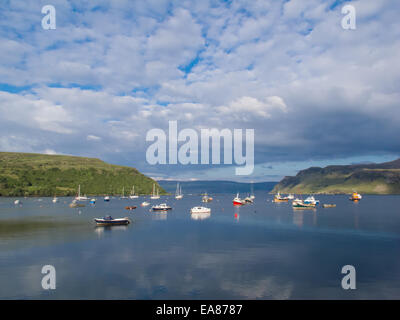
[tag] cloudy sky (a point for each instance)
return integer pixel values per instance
(314, 93)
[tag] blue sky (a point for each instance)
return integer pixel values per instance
(314, 93)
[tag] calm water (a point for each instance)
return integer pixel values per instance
(259, 251)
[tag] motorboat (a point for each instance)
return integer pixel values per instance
(300, 204)
(279, 198)
(17, 201)
(93, 201)
(290, 196)
(106, 198)
(311, 200)
(200, 210)
(109, 221)
(144, 204)
(355, 196)
(161, 207)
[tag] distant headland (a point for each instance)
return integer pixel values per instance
(375, 178)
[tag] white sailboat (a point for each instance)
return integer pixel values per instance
(133, 196)
(154, 194)
(252, 196)
(55, 199)
(178, 193)
(79, 197)
(123, 194)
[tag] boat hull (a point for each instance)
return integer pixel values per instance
(115, 222)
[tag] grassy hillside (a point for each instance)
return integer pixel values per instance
(381, 178)
(27, 174)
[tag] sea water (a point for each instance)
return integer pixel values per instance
(263, 250)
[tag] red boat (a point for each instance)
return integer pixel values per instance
(237, 201)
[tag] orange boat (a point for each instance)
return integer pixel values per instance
(279, 198)
(355, 196)
(130, 207)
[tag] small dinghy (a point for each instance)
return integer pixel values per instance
(109, 221)
(130, 207)
(328, 205)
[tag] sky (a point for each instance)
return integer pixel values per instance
(314, 93)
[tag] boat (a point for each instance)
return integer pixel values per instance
(328, 205)
(75, 204)
(279, 198)
(109, 221)
(206, 198)
(161, 207)
(355, 196)
(17, 201)
(252, 196)
(200, 210)
(130, 207)
(123, 194)
(200, 213)
(154, 194)
(144, 204)
(290, 196)
(55, 199)
(178, 193)
(133, 195)
(300, 204)
(312, 200)
(106, 198)
(79, 197)
(237, 201)
(93, 201)
(248, 200)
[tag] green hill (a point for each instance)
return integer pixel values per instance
(383, 178)
(28, 174)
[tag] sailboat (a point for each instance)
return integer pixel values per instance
(252, 196)
(237, 201)
(55, 199)
(79, 197)
(154, 194)
(133, 196)
(123, 194)
(178, 194)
